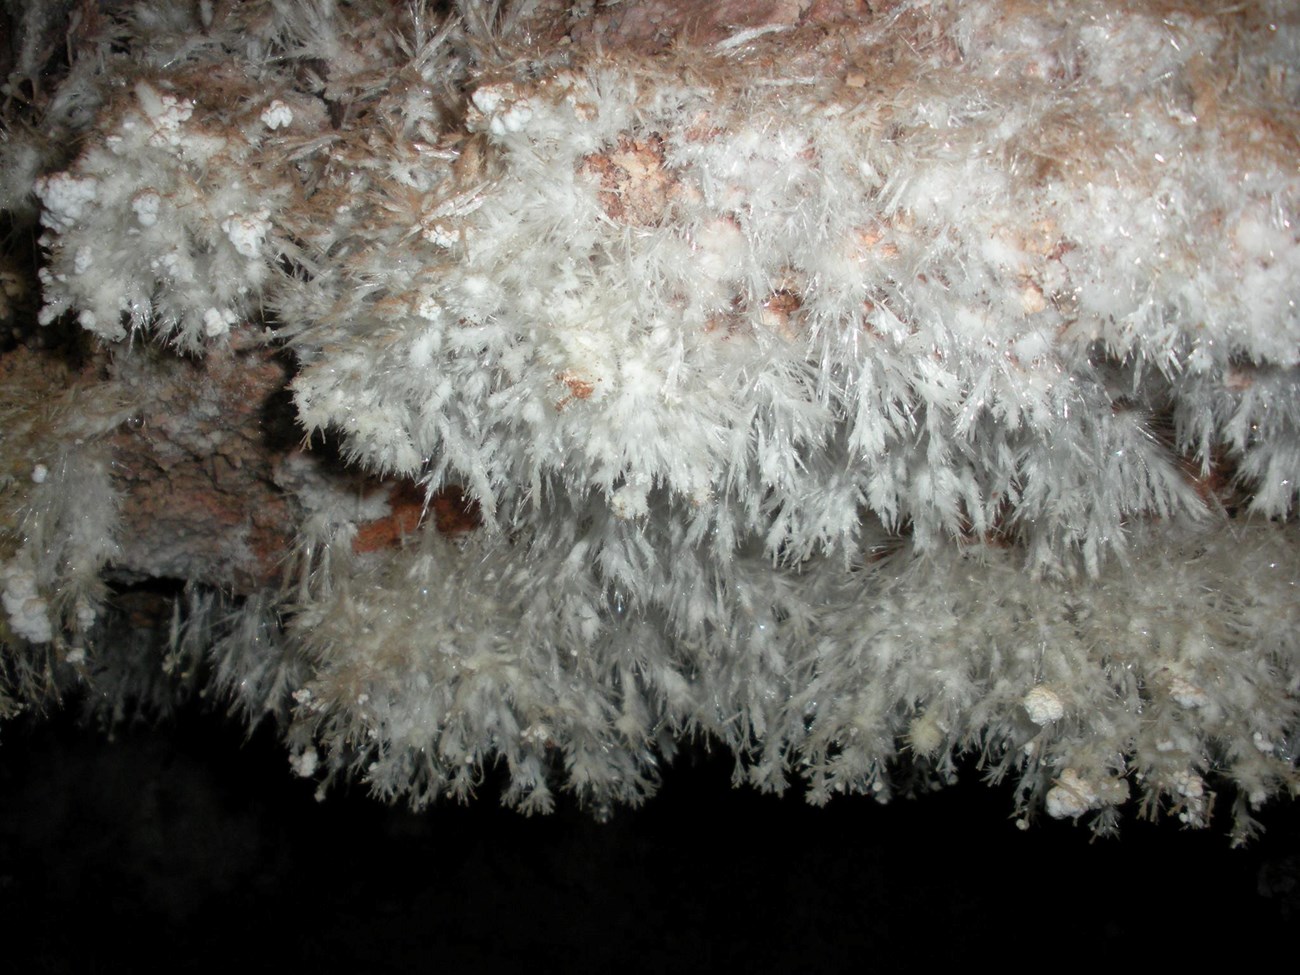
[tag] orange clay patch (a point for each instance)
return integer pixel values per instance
(635, 188)
(578, 389)
(453, 514)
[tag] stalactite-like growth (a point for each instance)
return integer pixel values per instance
(856, 387)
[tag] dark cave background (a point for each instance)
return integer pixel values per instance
(191, 846)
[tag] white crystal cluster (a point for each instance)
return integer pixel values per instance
(58, 520)
(856, 401)
(164, 225)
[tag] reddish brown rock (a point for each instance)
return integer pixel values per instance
(194, 467)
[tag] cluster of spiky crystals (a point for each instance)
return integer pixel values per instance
(848, 393)
(57, 518)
